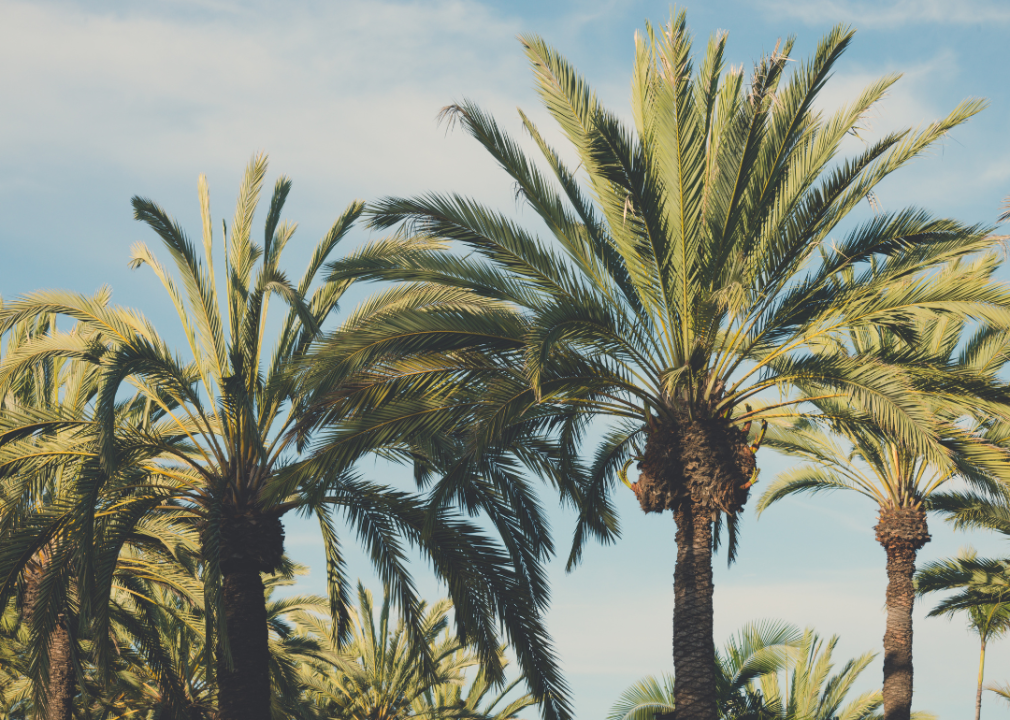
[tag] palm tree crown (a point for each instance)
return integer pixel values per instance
(956, 374)
(694, 272)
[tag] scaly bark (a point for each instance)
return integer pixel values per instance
(901, 531)
(693, 641)
(251, 543)
(62, 686)
(697, 468)
(62, 681)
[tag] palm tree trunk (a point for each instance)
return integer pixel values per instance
(59, 692)
(250, 543)
(901, 531)
(62, 681)
(697, 467)
(244, 684)
(978, 693)
(693, 643)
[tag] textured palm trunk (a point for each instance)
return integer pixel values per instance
(697, 468)
(59, 693)
(901, 531)
(693, 642)
(981, 671)
(62, 681)
(250, 543)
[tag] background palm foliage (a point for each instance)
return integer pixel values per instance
(691, 291)
(956, 372)
(982, 594)
(216, 446)
(380, 675)
(768, 671)
(64, 552)
(690, 275)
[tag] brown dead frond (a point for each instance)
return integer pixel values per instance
(451, 115)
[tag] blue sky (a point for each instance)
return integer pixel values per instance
(104, 100)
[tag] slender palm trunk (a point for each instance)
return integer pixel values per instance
(978, 693)
(693, 643)
(250, 543)
(901, 531)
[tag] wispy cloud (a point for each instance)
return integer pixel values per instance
(351, 87)
(894, 14)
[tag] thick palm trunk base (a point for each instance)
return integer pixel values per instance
(697, 469)
(250, 544)
(901, 531)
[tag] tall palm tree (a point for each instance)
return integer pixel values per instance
(693, 274)
(984, 596)
(851, 452)
(222, 452)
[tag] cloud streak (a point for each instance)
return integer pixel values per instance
(354, 85)
(893, 14)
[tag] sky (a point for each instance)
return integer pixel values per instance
(103, 100)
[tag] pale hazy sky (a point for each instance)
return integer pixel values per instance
(104, 100)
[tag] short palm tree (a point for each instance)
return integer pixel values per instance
(221, 450)
(379, 674)
(983, 595)
(756, 650)
(692, 274)
(767, 672)
(850, 452)
(159, 670)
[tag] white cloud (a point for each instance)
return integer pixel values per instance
(349, 88)
(894, 14)
(945, 176)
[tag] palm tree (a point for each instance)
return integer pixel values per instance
(691, 276)
(756, 650)
(222, 450)
(984, 596)
(851, 453)
(810, 690)
(767, 672)
(48, 439)
(38, 558)
(379, 674)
